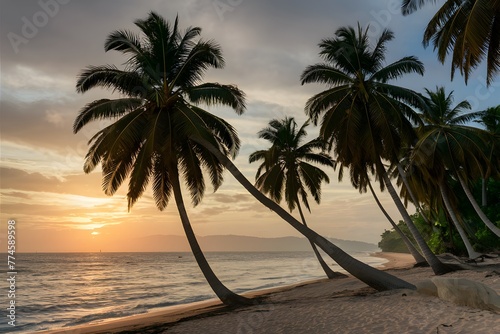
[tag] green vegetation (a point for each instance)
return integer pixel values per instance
(441, 236)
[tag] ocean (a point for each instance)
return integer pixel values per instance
(54, 290)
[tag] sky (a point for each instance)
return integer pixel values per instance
(266, 45)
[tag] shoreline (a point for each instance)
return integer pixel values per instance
(173, 314)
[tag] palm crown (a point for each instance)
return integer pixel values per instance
(446, 142)
(364, 116)
(468, 29)
(156, 114)
(286, 166)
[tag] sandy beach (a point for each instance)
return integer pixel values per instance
(344, 305)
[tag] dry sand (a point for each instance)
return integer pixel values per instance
(326, 306)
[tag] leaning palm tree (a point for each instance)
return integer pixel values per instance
(468, 29)
(286, 169)
(155, 119)
(377, 279)
(455, 148)
(490, 118)
(364, 118)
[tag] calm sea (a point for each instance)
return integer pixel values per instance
(56, 290)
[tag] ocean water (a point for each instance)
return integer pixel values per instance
(55, 290)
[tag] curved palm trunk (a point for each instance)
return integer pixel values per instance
(412, 195)
(437, 266)
(483, 192)
(470, 250)
(225, 295)
(377, 279)
(329, 272)
(419, 259)
(480, 212)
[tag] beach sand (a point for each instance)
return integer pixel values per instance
(344, 305)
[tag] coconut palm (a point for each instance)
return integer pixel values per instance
(455, 148)
(155, 119)
(377, 279)
(364, 118)
(468, 29)
(490, 118)
(286, 169)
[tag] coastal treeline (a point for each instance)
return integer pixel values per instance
(420, 147)
(441, 236)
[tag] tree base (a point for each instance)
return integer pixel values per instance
(335, 274)
(421, 264)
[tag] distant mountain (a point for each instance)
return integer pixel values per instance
(238, 243)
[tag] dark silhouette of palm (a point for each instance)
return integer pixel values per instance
(286, 169)
(467, 30)
(365, 119)
(156, 118)
(448, 146)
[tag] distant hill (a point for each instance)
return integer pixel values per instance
(238, 243)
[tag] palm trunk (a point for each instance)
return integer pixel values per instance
(470, 250)
(483, 192)
(412, 195)
(419, 259)
(377, 279)
(225, 295)
(437, 266)
(480, 212)
(329, 272)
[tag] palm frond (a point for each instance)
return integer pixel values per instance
(161, 184)
(110, 77)
(217, 94)
(324, 73)
(105, 109)
(410, 6)
(401, 67)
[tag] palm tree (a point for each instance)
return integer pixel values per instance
(468, 29)
(377, 279)
(156, 118)
(365, 119)
(286, 169)
(490, 118)
(454, 147)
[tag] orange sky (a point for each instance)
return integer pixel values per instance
(266, 45)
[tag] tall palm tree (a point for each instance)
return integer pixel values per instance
(286, 169)
(468, 29)
(156, 118)
(490, 118)
(364, 118)
(454, 147)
